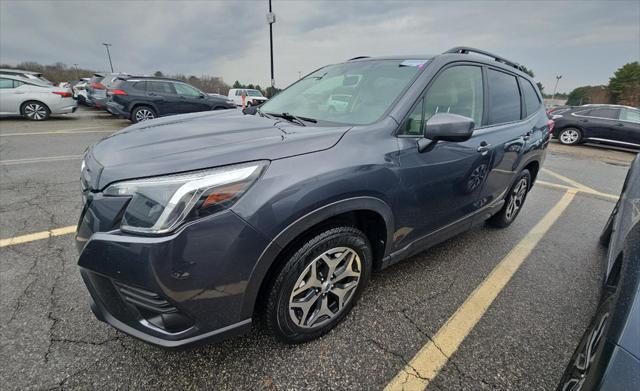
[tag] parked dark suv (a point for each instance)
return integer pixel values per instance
(144, 98)
(608, 124)
(194, 225)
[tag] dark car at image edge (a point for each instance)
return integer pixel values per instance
(608, 355)
(607, 124)
(195, 225)
(144, 98)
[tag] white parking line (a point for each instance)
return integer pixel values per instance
(13, 162)
(68, 131)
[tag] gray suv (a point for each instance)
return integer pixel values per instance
(195, 225)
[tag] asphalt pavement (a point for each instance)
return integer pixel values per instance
(522, 338)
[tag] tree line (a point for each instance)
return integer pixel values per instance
(623, 89)
(61, 72)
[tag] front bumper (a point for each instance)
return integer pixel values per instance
(170, 290)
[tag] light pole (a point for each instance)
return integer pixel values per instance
(77, 74)
(558, 77)
(271, 19)
(106, 45)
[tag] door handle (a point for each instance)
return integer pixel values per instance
(484, 147)
(584, 120)
(526, 136)
(620, 125)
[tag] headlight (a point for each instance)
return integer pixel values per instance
(159, 205)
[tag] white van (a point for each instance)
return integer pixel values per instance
(252, 97)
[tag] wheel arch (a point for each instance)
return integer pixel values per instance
(33, 100)
(371, 215)
(137, 104)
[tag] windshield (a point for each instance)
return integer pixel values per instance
(352, 93)
(254, 93)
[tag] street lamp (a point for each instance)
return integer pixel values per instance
(106, 45)
(77, 74)
(271, 19)
(558, 77)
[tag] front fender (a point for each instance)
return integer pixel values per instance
(303, 224)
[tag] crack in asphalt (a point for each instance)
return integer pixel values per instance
(450, 360)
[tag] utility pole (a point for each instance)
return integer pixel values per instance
(558, 77)
(77, 74)
(106, 45)
(271, 19)
(299, 74)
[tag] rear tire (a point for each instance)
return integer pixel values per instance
(318, 285)
(570, 136)
(142, 113)
(35, 111)
(513, 202)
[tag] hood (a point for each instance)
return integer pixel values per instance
(199, 141)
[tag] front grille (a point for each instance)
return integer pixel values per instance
(145, 299)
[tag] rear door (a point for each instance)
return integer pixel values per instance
(601, 123)
(506, 132)
(164, 97)
(190, 99)
(441, 185)
(630, 121)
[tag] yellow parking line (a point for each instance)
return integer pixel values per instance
(37, 236)
(570, 181)
(12, 162)
(426, 364)
(70, 131)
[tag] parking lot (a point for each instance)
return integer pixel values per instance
(489, 309)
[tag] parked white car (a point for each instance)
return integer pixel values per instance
(80, 91)
(35, 76)
(32, 99)
(252, 97)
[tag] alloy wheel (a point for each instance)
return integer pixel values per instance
(35, 111)
(325, 287)
(569, 136)
(144, 115)
(517, 198)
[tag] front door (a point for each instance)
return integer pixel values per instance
(630, 123)
(190, 99)
(442, 184)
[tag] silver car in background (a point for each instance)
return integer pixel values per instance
(33, 99)
(36, 76)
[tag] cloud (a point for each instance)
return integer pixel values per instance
(584, 41)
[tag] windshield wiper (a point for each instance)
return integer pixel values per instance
(294, 118)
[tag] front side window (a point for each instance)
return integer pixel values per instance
(414, 125)
(531, 99)
(630, 115)
(457, 90)
(185, 90)
(504, 98)
(6, 83)
(372, 86)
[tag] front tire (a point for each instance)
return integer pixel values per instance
(318, 285)
(35, 111)
(514, 201)
(570, 136)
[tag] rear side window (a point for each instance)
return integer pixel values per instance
(604, 112)
(457, 90)
(504, 98)
(531, 99)
(161, 87)
(140, 85)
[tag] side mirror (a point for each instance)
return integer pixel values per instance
(446, 127)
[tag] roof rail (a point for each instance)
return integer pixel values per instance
(357, 58)
(467, 50)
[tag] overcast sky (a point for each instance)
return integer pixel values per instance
(583, 41)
